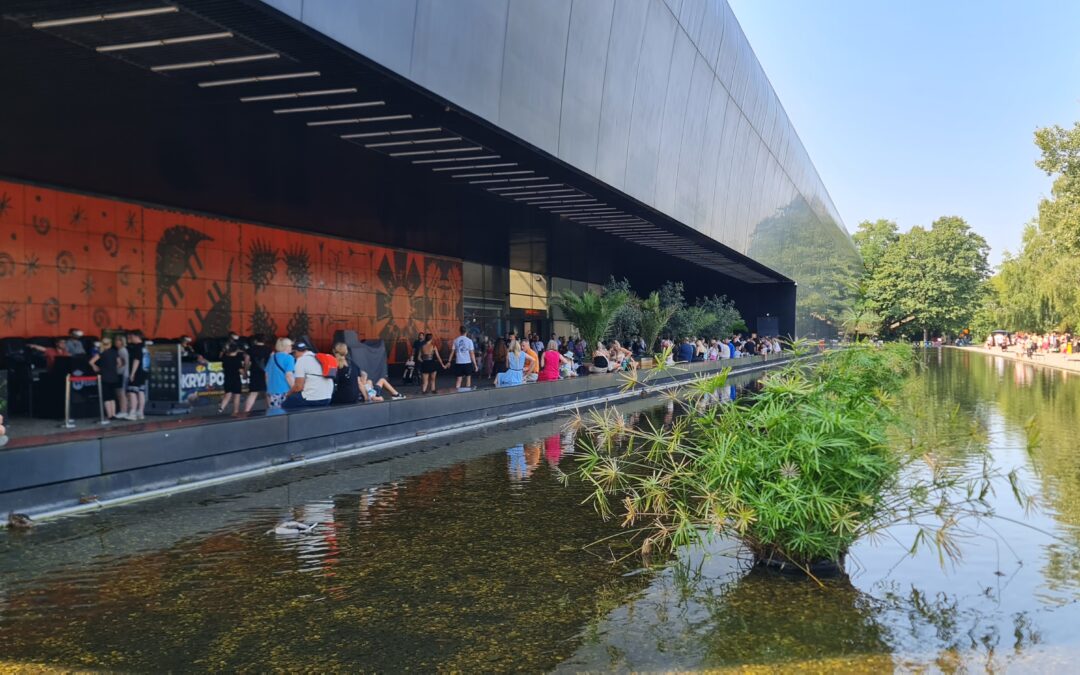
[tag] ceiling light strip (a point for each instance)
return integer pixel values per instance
(111, 16)
(433, 152)
(124, 46)
(420, 141)
(323, 108)
(360, 120)
(258, 78)
(474, 166)
(215, 62)
(298, 94)
(442, 160)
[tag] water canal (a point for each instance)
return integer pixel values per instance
(474, 556)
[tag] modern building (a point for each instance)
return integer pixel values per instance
(301, 166)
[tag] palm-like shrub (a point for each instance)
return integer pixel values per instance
(654, 316)
(590, 312)
(797, 471)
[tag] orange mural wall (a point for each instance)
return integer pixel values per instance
(72, 260)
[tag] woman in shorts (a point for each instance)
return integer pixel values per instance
(279, 374)
(372, 392)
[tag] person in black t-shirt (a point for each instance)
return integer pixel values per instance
(137, 375)
(107, 364)
(233, 364)
(346, 388)
(258, 357)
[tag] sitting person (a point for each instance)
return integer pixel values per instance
(516, 361)
(685, 351)
(346, 386)
(569, 366)
(552, 363)
(622, 356)
(372, 392)
(603, 362)
(532, 368)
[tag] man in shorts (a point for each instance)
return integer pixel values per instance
(464, 359)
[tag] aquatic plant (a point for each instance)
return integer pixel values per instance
(796, 471)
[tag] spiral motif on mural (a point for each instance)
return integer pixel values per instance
(7, 265)
(50, 311)
(65, 262)
(41, 225)
(111, 243)
(101, 317)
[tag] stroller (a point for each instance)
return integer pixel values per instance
(411, 375)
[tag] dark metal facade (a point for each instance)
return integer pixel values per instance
(663, 100)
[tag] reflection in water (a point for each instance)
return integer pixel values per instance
(476, 557)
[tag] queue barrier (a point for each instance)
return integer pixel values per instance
(81, 379)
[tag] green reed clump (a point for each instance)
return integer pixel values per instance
(797, 470)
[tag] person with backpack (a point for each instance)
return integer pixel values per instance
(279, 374)
(464, 359)
(312, 385)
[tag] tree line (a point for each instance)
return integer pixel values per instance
(938, 281)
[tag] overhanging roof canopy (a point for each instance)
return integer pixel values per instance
(247, 55)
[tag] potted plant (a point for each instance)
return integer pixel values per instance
(591, 313)
(654, 316)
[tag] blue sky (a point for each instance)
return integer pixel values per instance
(915, 109)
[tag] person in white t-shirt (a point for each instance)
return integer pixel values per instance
(311, 389)
(464, 359)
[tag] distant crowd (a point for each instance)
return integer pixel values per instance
(1031, 344)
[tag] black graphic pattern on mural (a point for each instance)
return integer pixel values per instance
(131, 222)
(41, 224)
(5, 204)
(262, 323)
(9, 311)
(177, 255)
(77, 215)
(132, 311)
(262, 263)
(299, 324)
(33, 265)
(88, 286)
(111, 243)
(101, 318)
(298, 267)
(444, 287)
(7, 265)
(218, 321)
(65, 262)
(123, 275)
(399, 301)
(50, 311)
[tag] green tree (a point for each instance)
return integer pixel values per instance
(935, 276)
(627, 321)
(873, 238)
(724, 316)
(591, 313)
(654, 316)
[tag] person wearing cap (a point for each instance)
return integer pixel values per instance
(74, 345)
(310, 389)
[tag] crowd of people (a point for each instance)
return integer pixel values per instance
(290, 374)
(1032, 344)
(511, 360)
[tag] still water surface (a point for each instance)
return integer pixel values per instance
(474, 556)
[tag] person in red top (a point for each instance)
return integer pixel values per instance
(551, 361)
(59, 349)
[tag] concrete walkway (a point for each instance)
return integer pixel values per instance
(1060, 361)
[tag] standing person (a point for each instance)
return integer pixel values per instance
(515, 367)
(233, 363)
(310, 389)
(120, 343)
(139, 359)
(74, 345)
(464, 359)
(257, 361)
(107, 364)
(346, 381)
(430, 363)
(489, 360)
(416, 345)
(279, 374)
